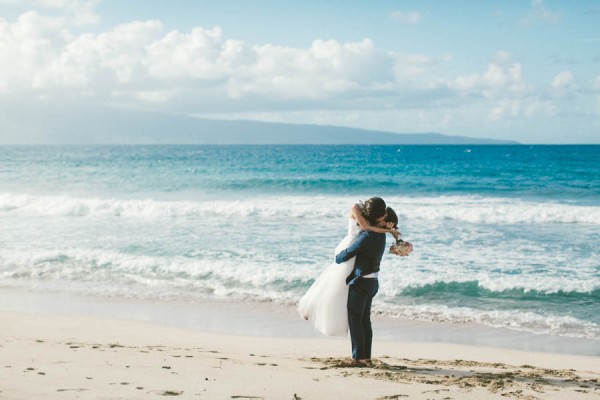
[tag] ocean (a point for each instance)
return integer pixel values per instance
(504, 236)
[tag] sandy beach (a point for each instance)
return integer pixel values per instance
(47, 356)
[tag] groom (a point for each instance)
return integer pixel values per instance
(368, 248)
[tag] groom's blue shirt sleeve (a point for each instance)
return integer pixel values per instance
(351, 251)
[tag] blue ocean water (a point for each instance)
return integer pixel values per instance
(504, 236)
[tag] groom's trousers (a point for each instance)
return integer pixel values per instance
(360, 297)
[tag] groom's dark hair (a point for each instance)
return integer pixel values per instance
(372, 209)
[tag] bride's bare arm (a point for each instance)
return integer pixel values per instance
(362, 221)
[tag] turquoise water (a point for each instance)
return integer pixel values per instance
(504, 235)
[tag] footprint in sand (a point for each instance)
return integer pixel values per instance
(168, 392)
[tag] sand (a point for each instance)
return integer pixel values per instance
(44, 356)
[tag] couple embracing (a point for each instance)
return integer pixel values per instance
(341, 297)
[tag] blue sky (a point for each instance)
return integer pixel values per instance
(525, 70)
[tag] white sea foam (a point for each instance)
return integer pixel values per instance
(157, 249)
(154, 288)
(501, 211)
(399, 278)
(472, 209)
(512, 319)
(219, 275)
(254, 276)
(254, 266)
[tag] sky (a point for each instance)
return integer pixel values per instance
(524, 70)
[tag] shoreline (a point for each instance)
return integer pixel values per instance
(280, 321)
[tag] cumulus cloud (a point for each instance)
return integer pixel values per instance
(78, 12)
(539, 12)
(194, 55)
(409, 66)
(502, 76)
(544, 107)
(202, 71)
(543, 12)
(562, 80)
(40, 53)
(410, 18)
(507, 93)
(26, 46)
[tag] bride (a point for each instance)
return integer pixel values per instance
(324, 304)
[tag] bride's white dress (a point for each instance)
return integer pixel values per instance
(324, 304)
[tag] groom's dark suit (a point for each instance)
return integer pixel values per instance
(368, 248)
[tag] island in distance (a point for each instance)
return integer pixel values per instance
(116, 126)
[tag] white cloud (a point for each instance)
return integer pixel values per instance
(539, 12)
(27, 46)
(101, 60)
(141, 64)
(410, 66)
(77, 12)
(326, 68)
(202, 70)
(501, 78)
(508, 95)
(146, 96)
(562, 82)
(506, 107)
(41, 53)
(193, 55)
(539, 107)
(410, 18)
(510, 109)
(544, 13)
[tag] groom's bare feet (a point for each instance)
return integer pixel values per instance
(353, 364)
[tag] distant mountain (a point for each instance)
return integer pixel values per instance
(115, 126)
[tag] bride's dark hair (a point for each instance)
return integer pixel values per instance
(391, 217)
(372, 209)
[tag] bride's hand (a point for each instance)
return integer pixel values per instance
(390, 227)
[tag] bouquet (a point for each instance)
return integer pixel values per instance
(401, 248)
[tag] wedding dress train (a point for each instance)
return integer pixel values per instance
(324, 304)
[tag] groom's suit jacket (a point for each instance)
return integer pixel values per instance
(368, 248)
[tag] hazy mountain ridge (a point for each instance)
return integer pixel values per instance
(114, 126)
